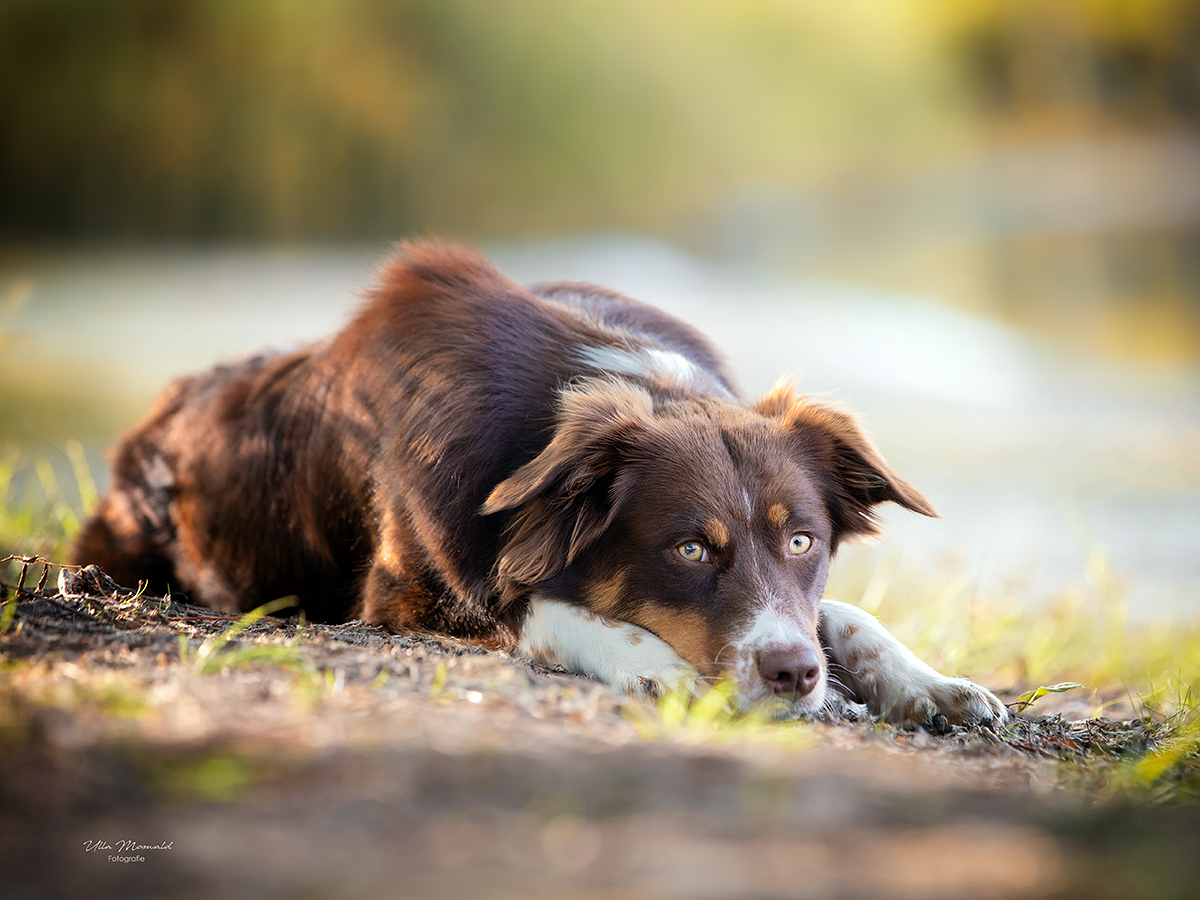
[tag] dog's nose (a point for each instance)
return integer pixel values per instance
(790, 670)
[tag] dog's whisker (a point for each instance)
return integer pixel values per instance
(839, 684)
(846, 669)
(717, 661)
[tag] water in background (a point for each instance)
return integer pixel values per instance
(1035, 461)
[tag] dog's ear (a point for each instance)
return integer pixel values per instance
(567, 496)
(853, 474)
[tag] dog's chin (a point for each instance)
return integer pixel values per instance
(760, 700)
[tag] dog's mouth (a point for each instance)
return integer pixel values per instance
(784, 707)
(783, 682)
(776, 663)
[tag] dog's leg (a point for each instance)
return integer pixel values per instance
(889, 678)
(626, 656)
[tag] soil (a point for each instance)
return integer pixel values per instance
(141, 756)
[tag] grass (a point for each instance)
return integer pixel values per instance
(217, 778)
(1083, 635)
(38, 515)
(1080, 641)
(215, 654)
(713, 715)
(209, 657)
(107, 693)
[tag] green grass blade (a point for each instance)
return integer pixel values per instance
(83, 476)
(8, 613)
(1029, 698)
(213, 645)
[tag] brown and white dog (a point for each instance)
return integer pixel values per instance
(559, 471)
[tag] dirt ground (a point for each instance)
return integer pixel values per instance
(142, 755)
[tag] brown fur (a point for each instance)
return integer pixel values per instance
(777, 515)
(451, 452)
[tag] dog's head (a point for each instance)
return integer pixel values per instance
(708, 523)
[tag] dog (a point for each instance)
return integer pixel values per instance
(561, 472)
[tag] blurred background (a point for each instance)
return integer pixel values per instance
(976, 222)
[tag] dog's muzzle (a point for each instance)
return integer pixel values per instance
(793, 671)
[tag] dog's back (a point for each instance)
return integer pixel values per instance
(625, 315)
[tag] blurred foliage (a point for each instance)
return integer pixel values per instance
(1125, 61)
(1029, 160)
(41, 508)
(352, 118)
(365, 118)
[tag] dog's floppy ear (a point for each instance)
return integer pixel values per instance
(567, 496)
(853, 474)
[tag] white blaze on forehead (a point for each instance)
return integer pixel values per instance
(617, 653)
(649, 362)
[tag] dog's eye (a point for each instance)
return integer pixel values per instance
(800, 544)
(693, 551)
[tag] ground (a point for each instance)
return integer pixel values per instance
(151, 748)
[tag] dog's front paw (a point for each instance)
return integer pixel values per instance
(629, 658)
(940, 700)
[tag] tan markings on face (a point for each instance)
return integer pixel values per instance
(716, 533)
(635, 639)
(687, 633)
(778, 515)
(605, 596)
(849, 631)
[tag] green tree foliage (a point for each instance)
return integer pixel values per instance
(240, 119)
(235, 119)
